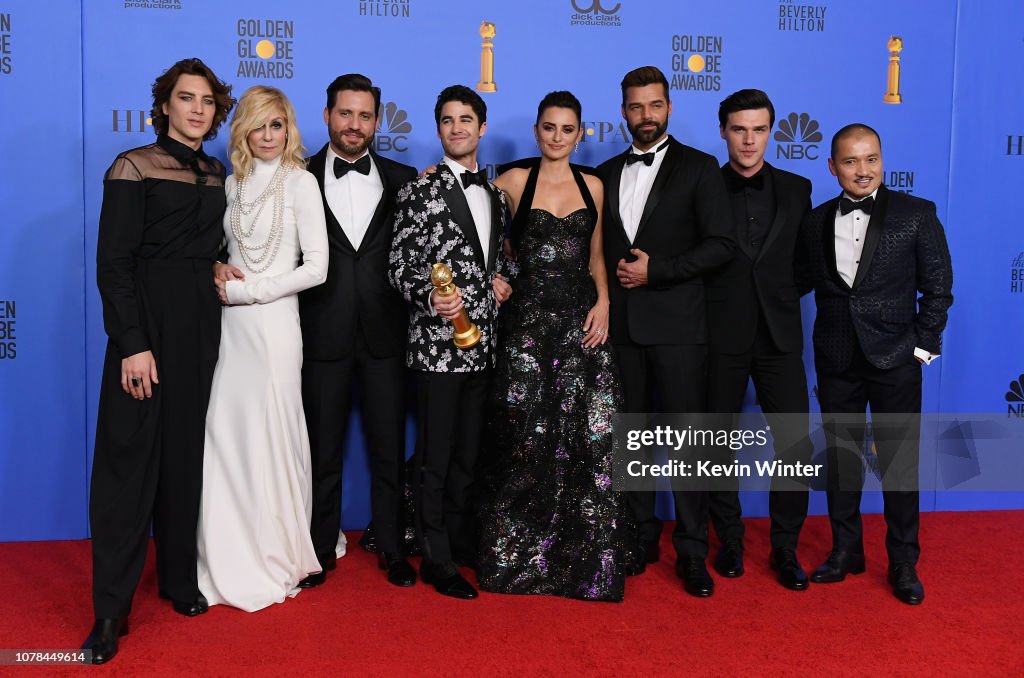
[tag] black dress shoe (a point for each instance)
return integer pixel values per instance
(905, 584)
(313, 580)
(791, 575)
(696, 579)
(191, 608)
(400, 572)
(837, 566)
(729, 561)
(447, 580)
(102, 639)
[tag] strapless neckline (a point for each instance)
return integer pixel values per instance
(553, 216)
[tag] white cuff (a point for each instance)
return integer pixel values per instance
(924, 356)
(237, 293)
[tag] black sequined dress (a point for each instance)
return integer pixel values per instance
(550, 520)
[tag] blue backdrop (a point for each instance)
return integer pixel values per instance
(75, 79)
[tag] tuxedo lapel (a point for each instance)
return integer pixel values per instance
(386, 191)
(874, 232)
(611, 194)
(828, 242)
(667, 169)
(781, 212)
(459, 208)
(317, 166)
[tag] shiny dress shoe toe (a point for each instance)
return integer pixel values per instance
(791, 575)
(191, 608)
(729, 561)
(696, 580)
(837, 566)
(313, 580)
(102, 640)
(400, 572)
(448, 582)
(905, 584)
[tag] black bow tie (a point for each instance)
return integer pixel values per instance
(738, 182)
(474, 179)
(846, 205)
(342, 167)
(645, 158)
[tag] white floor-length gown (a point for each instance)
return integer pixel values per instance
(254, 542)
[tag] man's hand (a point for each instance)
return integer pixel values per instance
(430, 169)
(633, 274)
(222, 273)
(502, 290)
(446, 306)
(138, 374)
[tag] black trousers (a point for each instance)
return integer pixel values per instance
(148, 462)
(781, 386)
(448, 441)
(327, 387)
(894, 396)
(674, 378)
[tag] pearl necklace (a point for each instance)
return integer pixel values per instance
(258, 257)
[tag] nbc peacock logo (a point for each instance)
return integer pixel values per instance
(393, 128)
(1015, 398)
(798, 136)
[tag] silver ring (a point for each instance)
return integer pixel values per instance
(136, 381)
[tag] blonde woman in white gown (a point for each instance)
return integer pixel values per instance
(254, 543)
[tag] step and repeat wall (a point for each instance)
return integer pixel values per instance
(939, 80)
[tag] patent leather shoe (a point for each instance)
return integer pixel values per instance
(696, 580)
(102, 640)
(447, 581)
(729, 561)
(837, 566)
(906, 585)
(314, 580)
(400, 572)
(791, 575)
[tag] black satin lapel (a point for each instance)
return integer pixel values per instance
(873, 234)
(497, 228)
(611, 196)
(335, 233)
(382, 204)
(463, 218)
(667, 169)
(828, 242)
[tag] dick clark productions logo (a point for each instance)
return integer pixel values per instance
(595, 14)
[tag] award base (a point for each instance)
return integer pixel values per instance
(467, 339)
(486, 87)
(893, 98)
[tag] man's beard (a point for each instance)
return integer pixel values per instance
(351, 149)
(646, 136)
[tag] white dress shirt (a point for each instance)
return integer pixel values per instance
(352, 198)
(850, 232)
(635, 187)
(479, 200)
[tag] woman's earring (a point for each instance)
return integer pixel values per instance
(577, 147)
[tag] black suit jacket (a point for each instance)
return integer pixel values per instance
(357, 292)
(744, 288)
(902, 291)
(686, 229)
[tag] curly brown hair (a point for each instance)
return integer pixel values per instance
(164, 85)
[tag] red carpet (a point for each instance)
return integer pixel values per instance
(969, 624)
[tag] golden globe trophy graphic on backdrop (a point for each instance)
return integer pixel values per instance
(893, 96)
(466, 334)
(487, 83)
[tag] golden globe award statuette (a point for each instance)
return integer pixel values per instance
(466, 334)
(893, 96)
(486, 83)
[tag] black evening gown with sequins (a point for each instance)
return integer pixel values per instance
(550, 520)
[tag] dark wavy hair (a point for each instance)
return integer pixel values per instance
(463, 95)
(355, 82)
(745, 100)
(560, 99)
(164, 85)
(641, 77)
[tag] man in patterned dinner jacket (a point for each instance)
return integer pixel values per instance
(882, 279)
(452, 216)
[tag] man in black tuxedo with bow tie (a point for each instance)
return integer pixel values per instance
(353, 330)
(755, 329)
(667, 224)
(882, 279)
(453, 216)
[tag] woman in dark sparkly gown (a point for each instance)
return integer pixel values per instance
(550, 520)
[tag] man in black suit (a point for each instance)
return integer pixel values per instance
(882, 279)
(453, 216)
(667, 224)
(755, 331)
(353, 329)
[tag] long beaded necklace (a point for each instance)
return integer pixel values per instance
(267, 250)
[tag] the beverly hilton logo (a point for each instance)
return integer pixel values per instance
(385, 8)
(595, 13)
(799, 18)
(1015, 398)
(1015, 144)
(130, 120)
(798, 136)
(6, 59)
(393, 129)
(1017, 275)
(265, 49)
(696, 63)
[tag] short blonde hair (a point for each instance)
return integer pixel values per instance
(254, 110)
